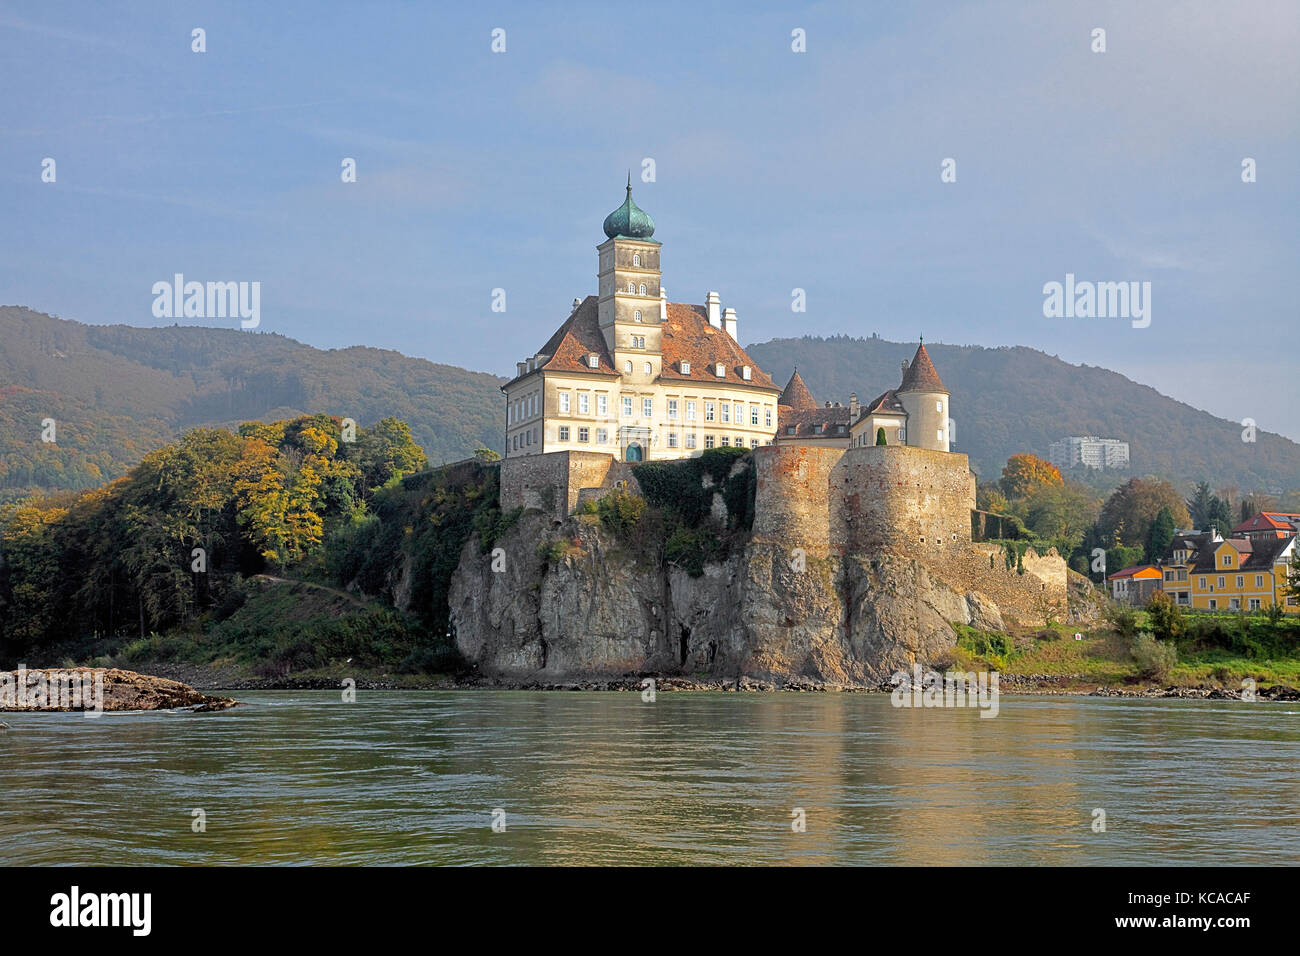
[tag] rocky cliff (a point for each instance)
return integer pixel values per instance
(569, 599)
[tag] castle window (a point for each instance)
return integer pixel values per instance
(593, 360)
(564, 403)
(753, 414)
(636, 259)
(746, 373)
(583, 434)
(720, 370)
(686, 368)
(690, 439)
(648, 407)
(753, 443)
(627, 406)
(690, 411)
(938, 406)
(939, 435)
(564, 433)
(708, 413)
(648, 368)
(638, 341)
(602, 404)
(672, 439)
(627, 368)
(602, 436)
(740, 414)
(643, 288)
(672, 408)
(636, 316)
(767, 416)
(726, 441)
(631, 287)
(726, 412)
(708, 441)
(584, 403)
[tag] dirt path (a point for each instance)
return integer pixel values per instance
(311, 584)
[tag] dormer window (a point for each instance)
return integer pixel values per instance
(593, 360)
(720, 370)
(686, 368)
(746, 372)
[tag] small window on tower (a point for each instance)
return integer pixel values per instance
(938, 405)
(636, 259)
(643, 288)
(939, 435)
(636, 316)
(627, 368)
(648, 369)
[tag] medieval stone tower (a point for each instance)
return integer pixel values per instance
(632, 306)
(925, 400)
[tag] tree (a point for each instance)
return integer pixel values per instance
(1161, 535)
(1024, 472)
(1060, 514)
(1220, 516)
(880, 436)
(1129, 512)
(1198, 506)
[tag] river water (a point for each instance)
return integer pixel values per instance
(692, 778)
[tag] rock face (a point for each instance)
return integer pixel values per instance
(84, 688)
(599, 610)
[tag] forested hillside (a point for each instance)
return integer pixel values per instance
(1010, 400)
(117, 392)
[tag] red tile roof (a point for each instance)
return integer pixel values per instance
(687, 336)
(921, 375)
(1136, 570)
(796, 394)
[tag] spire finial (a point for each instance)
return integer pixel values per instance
(629, 182)
(922, 339)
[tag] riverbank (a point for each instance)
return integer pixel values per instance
(230, 678)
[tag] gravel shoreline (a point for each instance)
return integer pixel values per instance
(205, 677)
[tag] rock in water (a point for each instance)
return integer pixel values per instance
(88, 689)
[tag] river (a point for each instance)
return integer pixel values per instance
(692, 778)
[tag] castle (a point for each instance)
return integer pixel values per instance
(860, 555)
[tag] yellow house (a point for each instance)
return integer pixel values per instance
(1238, 574)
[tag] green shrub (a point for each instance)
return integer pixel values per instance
(1155, 659)
(621, 511)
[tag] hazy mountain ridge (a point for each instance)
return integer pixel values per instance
(1013, 399)
(117, 392)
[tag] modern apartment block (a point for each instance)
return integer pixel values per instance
(1089, 451)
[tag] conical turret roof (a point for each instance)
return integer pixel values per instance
(796, 394)
(921, 375)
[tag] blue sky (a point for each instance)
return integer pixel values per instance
(774, 170)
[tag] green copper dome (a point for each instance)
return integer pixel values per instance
(629, 221)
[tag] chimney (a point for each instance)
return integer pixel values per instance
(854, 407)
(521, 367)
(713, 303)
(729, 322)
(663, 304)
